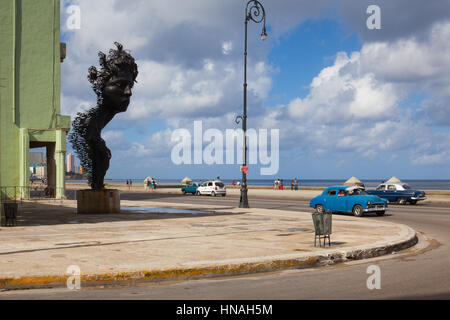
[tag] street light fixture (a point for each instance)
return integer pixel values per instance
(254, 11)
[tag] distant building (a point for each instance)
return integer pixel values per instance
(70, 163)
(36, 158)
(41, 172)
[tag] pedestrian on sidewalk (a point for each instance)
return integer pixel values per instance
(127, 183)
(296, 184)
(281, 184)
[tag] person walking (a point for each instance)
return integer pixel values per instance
(131, 184)
(292, 185)
(127, 183)
(296, 184)
(281, 184)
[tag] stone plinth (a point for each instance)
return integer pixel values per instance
(98, 201)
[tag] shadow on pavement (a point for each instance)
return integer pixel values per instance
(42, 214)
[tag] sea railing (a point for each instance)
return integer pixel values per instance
(12, 194)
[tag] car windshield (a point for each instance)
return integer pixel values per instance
(357, 192)
(405, 186)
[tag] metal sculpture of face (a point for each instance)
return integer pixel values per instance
(117, 91)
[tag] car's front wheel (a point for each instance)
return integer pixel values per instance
(319, 208)
(213, 194)
(184, 191)
(402, 201)
(357, 211)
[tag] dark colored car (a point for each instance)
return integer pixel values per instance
(190, 188)
(348, 199)
(398, 192)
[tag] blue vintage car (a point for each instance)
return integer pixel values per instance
(398, 192)
(348, 199)
(190, 188)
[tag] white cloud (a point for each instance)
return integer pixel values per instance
(341, 93)
(113, 138)
(227, 47)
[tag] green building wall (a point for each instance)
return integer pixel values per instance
(30, 68)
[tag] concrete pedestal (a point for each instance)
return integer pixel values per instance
(98, 201)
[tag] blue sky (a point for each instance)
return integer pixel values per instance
(347, 101)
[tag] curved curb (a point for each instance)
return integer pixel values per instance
(254, 265)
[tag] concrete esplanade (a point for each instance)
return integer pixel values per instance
(139, 244)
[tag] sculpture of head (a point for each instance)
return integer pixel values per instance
(114, 81)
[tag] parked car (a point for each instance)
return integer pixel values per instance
(348, 199)
(398, 192)
(212, 188)
(190, 188)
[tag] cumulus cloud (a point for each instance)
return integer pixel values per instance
(342, 93)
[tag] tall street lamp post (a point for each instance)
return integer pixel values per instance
(255, 12)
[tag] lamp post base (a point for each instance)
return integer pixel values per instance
(243, 202)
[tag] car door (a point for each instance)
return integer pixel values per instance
(191, 188)
(329, 199)
(203, 187)
(340, 202)
(381, 191)
(391, 192)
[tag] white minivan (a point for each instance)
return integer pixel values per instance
(212, 188)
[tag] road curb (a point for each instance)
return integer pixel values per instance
(254, 265)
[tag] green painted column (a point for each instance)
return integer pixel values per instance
(24, 163)
(60, 156)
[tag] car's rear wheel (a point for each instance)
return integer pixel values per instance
(319, 208)
(380, 213)
(357, 211)
(197, 193)
(402, 201)
(224, 194)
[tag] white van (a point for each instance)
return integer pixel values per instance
(212, 188)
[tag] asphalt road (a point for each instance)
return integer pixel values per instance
(421, 272)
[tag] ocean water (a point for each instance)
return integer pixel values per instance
(416, 184)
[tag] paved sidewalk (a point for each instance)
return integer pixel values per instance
(139, 245)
